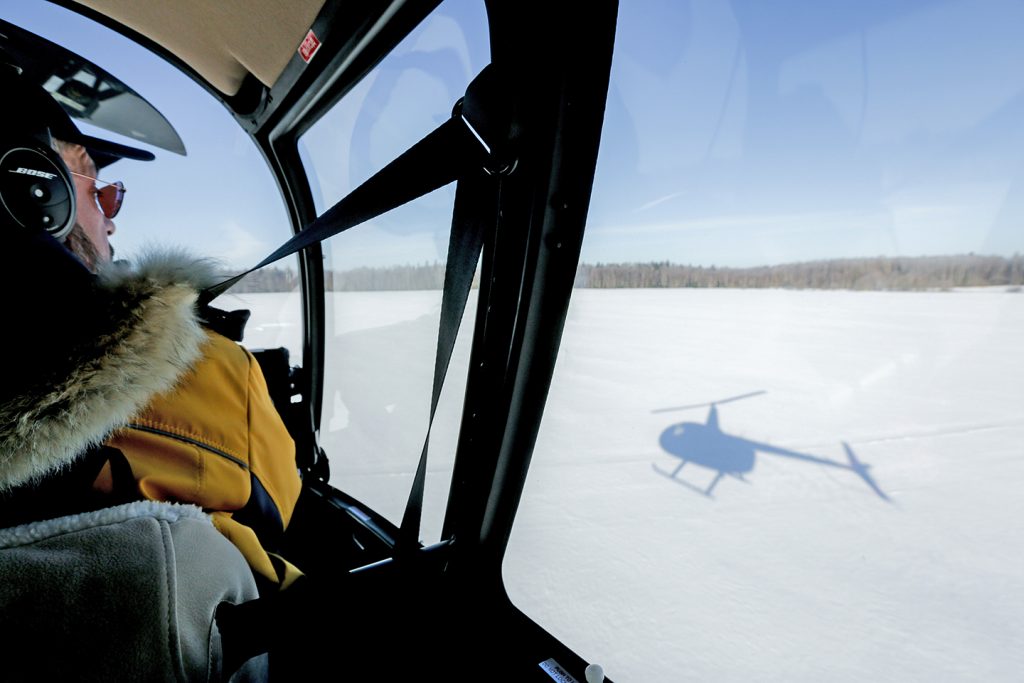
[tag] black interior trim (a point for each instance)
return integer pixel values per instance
(530, 262)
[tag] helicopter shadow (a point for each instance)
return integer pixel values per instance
(705, 445)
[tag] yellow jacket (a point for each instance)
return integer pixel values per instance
(217, 441)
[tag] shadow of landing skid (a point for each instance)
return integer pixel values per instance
(706, 445)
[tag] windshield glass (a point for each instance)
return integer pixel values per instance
(384, 277)
(783, 441)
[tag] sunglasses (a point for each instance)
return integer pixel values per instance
(109, 197)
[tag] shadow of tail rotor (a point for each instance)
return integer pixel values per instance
(861, 470)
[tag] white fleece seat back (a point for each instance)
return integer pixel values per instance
(124, 593)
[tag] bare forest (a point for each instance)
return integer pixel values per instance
(879, 273)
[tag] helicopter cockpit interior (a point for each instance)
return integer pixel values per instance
(519, 139)
(662, 340)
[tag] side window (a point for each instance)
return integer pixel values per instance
(783, 441)
(218, 202)
(384, 278)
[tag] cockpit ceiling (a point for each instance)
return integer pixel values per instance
(224, 40)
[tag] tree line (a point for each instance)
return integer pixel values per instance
(878, 273)
(270, 279)
(391, 278)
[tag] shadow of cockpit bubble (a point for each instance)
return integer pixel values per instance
(705, 444)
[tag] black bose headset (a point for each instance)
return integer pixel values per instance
(36, 190)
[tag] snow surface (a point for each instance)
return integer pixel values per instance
(798, 571)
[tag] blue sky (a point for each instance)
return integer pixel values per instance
(741, 133)
(737, 133)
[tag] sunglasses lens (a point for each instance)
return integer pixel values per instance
(110, 198)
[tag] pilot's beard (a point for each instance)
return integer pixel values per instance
(80, 245)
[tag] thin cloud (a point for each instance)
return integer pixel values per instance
(660, 200)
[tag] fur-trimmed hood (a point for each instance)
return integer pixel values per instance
(90, 351)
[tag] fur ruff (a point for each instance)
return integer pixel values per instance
(151, 339)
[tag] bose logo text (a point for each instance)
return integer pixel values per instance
(31, 171)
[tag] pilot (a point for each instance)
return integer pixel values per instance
(97, 584)
(220, 412)
(199, 426)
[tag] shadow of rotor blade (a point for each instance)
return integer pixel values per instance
(710, 403)
(862, 471)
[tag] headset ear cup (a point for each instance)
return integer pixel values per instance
(36, 190)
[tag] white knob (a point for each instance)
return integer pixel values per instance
(594, 673)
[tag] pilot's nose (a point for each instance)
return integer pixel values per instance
(111, 228)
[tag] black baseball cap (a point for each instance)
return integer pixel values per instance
(103, 152)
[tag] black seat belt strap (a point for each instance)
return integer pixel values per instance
(480, 134)
(475, 201)
(490, 113)
(433, 162)
(475, 146)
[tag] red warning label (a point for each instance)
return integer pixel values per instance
(309, 46)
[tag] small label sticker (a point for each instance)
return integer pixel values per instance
(555, 670)
(309, 46)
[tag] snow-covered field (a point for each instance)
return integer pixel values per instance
(803, 565)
